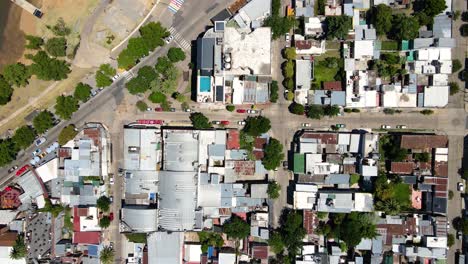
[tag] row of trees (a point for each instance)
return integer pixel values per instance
(314, 111)
(279, 25)
(288, 237)
(151, 37)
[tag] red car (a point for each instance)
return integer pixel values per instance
(22, 170)
(241, 110)
(158, 109)
(111, 216)
(225, 122)
(150, 122)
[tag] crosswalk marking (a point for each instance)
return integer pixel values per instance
(128, 75)
(175, 5)
(179, 40)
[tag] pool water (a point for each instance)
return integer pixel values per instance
(205, 84)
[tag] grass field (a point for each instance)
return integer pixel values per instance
(324, 74)
(389, 45)
(402, 193)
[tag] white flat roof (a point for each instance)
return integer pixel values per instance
(48, 171)
(436, 96)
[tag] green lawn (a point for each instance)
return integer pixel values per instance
(389, 45)
(402, 193)
(324, 74)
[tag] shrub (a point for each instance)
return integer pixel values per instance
(389, 111)
(230, 108)
(273, 190)
(141, 105)
(427, 112)
(176, 54)
(157, 97)
(67, 134)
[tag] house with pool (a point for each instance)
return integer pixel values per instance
(234, 65)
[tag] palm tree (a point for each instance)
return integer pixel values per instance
(19, 249)
(390, 206)
(107, 255)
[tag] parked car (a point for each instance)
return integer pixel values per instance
(115, 77)
(305, 124)
(111, 179)
(460, 186)
(459, 235)
(241, 111)
(250, 111)
(386, 127)
(188, 110)
(12, 169)
(285, 164)
(40, 141)
(225, 122)
(42, 155)
(111, 216)
(215, 122)
(287, 37)
(172, 109)
(111, 199)
(169, 39)
(241, 123)
(340, 125)
(37, 151)
(111, 244)
(401, 127)
(158, 109)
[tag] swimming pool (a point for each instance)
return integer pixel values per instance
(205, 84)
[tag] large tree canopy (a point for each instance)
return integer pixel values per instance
(404, 27)
(46, 68)
(82, 92)
(66, 106)
(236, 228)
(56, 47)
(5, 91)
(255, 126)
(16, 74)
(199, 121)
(273, 154)
(23, 137)
(43, 121)
(381, 16)
(7, 152)
(338, 27)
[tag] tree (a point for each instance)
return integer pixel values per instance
(256, 125)
(65, 106)
(147, 74)
(230, 108)
(23, 137)
(208, 239)
(16, 74)
(136, 237)
(450, 194)
(5, 91)
(338, 27)
(106, 256)
(296, 108)
(273, 190)
(434, 7)
(34, 42)
(314, 112)
(56, 47)
(273, 154)
(104, 222)
(236, 228)
(391, 58)
(288, 69)
(274, 92)
(290, 96)
(331, 110)
(276, 242)
(46, 68)
(390, 206)
(354, 178)
(157, 97)
(456, 65)
(43, 121)
(82, 92)
(107, 69)
(136, 86)
(141, 105)
(54, 209)
(102, 80)
(381, 16)
(355, 227)
(7, 152)
(464, 16)
(163, 64)
(405, 27)
(19, 250)
(427, 112)
(175, 54)
(456, 15)
(67, 134)
(103, 203)
(450, 240)
(200, 121)
(153, 35)
(290, 53)
(292, 233)
(60, 28)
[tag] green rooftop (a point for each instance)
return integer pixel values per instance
(299, 163)
(410, 56)
(405, 45)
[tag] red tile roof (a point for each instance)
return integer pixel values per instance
(93, 238)
(402, 167)
(76, 219)
(260, 252)
(310, 222)
(7, 239)
(423, 141)
(82, 212)
(325, 138)
(244, 167)
(233, 140)
(64, 152)
(9, 198)
(259, 143)
(332, 86)
(94, 134)
(258, 154)
(441, 169)
(306, 44)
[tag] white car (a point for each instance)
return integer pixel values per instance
(169, 39)
(305, 124)
(149, 109)
(287, 37)
(111, 180)
(115, 77)
(215, 122)
(250, 111)
(188, 110)
(386, 127)
(401, 127)
(460, 186)
(241, 123)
